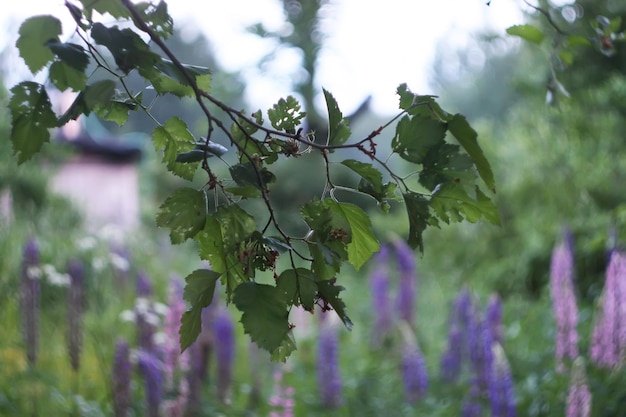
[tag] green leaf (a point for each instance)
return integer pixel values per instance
(417, 208)
(64, 76)
(363, 243)
(114, 7)
(184, 213)
(451, 203)
(116, 110)
(575, 40)
(172, 80)
(467, 137)
(211, 147)
(367, 172)
(70, 53)
(338, 129)
(265, 316)
(99, 94)
(174, 138)
(246, 191)
(246, 175)
(329, 292)
(286, 348)
(416, 136)
(527, 32)
(286, 115)
(156, 18)
(34, 33)
(128, 49)
(199, 291)
(31, 119)
(298, 287)
(372, 183)
(415, 104)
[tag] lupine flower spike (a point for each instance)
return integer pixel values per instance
(608, 340)
(413, 366)
(457, 337)
(564, 304)
(152, 370)
(405, 301)
(121, 379)
(282, 399)
(29, 298)
(381, 304)
(223, 329)
(76, 272)
(501, 391)
(328, 377)
(578, 396)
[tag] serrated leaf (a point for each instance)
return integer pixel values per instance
(329, 292)
(247, 175)
(467, 137)
(184, 213)
(199, 291)
(70, 53)
(363, 243)
(297, 287)
(34, 33)
(170, 79)
(156, 18)
(286, 115)
(115, 111)
(286, 348)
(128, 49)
(64, 76)
(114, 7)
(367, 172)
(174, 138)
(423, 105)
(99, 94)
(338, 129)
(451, 203)
(265, 316)
(416, 136)
(417, 207)
(31, 119)
(527, 32)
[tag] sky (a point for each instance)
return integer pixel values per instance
(370, 47)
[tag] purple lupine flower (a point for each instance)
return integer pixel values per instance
(493, 315)
(608, 341)
(501, 391)
(578, 402)
(121, 379)
(480, 342)
(144, 313)
(29, 299)
(152, 370)
(471, 406)
(414, 373)
(224, 333)
(405, 301)
(194, 380)
(381, 304)
(328, 376)
(282, 397)
(76, 303)
(564, 304)
(457, 350)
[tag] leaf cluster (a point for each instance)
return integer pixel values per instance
(454, 179)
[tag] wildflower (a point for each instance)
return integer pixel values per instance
(282, 398)
(405, 302)
(121, 379)
(578, 402)
(452, 359)
(328, 377)
(501, 392)
(471, 406)
(29, 298)
(381, 305)
(480, 342)
(493, 315)
(564, 304)
(75, 311)
(223, 330)
(152, 370)
(608, 340)
(413, 366)
(146, 319)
